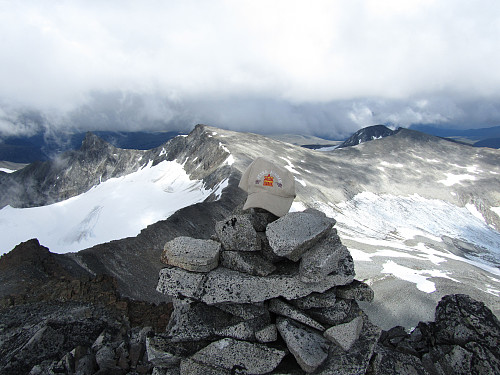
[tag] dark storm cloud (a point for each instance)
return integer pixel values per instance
(322, 67)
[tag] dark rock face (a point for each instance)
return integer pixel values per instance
(368, 134)
(76, 171)
(464, 339)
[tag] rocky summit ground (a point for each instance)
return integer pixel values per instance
(262, 296)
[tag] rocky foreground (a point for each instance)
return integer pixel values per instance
(263, 296)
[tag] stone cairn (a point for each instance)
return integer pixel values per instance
(265, 295)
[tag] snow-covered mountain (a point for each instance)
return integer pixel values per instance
(419, 214)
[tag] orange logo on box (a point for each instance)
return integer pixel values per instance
(268, 180)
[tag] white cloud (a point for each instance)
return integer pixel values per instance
(390, 53)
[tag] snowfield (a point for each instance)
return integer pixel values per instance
(115, 209)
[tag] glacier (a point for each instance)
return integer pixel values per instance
(114, 209)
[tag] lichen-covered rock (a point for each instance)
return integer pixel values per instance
(162, 352)
(192, 320)
(356, 290)
(244, 310)
(389, 362)
(308, 346)
(177, 282)
(461, 319)
(261, 218)
(224, 285)
(247, 262)
(267, 334)
(344, 335)
(239, 356)
(316, 300)
(238, 233)
(296, 232)
(328, 256)
(333, 315)
(192, 254)
(284, 309)
(355, 361)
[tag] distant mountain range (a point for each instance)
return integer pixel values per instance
(40, 147)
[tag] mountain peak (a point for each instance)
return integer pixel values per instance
(368, 134)
(93, 142)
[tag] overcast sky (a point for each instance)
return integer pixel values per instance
(318, 67)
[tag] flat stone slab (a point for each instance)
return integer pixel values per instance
(328, 256)
(247, 262)
(345, 334)
(309, 347)
(296, 232)
(335, 314)
(192, 254)
(284, 309)
(316, 300)
(224, 285)
(238, 233)
(240, 356)
(177, 282)
(244, 311)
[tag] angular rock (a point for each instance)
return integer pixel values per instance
(284, 309)
(308, 346)
(316, 300)
(192, 321)
(389, 362)
(239, 356)
(192, 254)
(357, 359)
(261, 218)
(224, 285)
(456, 361)
(105, 358)
(136, 352)
(238, 233)
(333, 315)
(244, 330)
(461, 319)
(166, 371)
(345, 334)
(328, 256)
(251, 263)
(314, 211)
(266, 250)
(296, 232)
(356, 290)
(188, 366)
(177, 282)
(244, 311)
(484, 360)
(162, 352)
(267, 334)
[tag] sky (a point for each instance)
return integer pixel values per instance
(324, 68)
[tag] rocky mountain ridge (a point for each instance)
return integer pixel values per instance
(401, 165)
